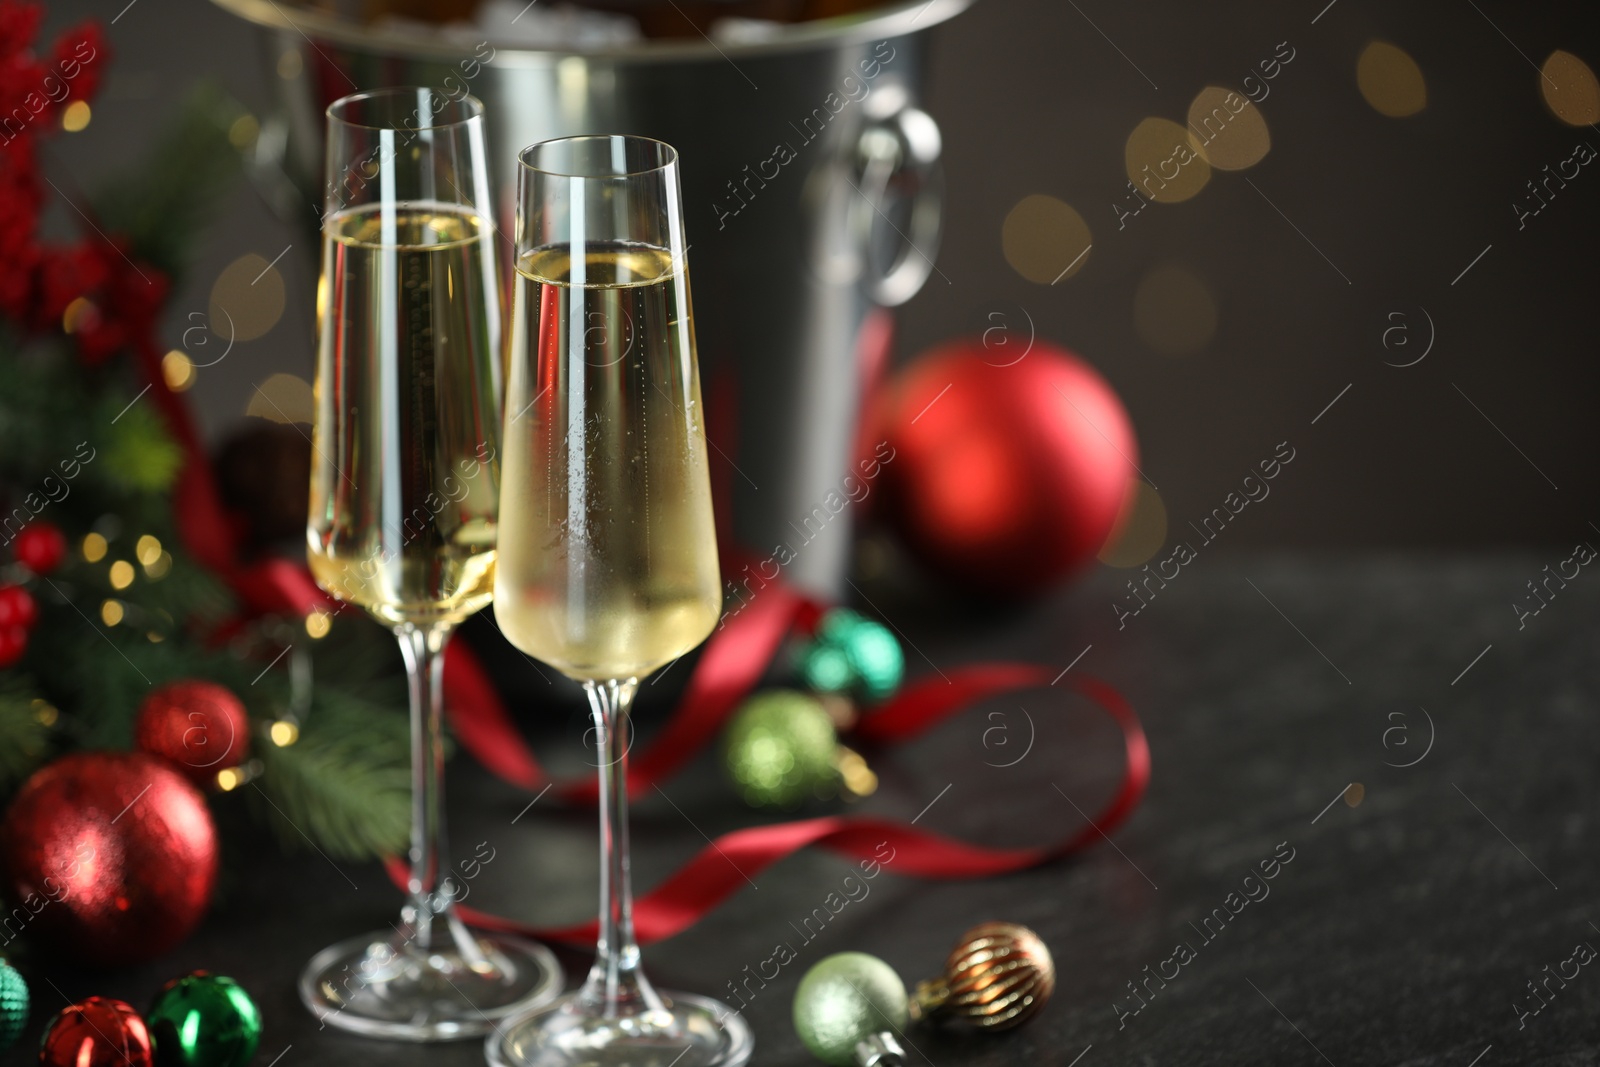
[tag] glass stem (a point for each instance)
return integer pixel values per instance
(429, 921)
(616, 985)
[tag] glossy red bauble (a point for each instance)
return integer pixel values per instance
(40, 546)
(119, 846)
(97, 1032)
(199, 727)
(17, 607)
(1006, 476)
(13, 643)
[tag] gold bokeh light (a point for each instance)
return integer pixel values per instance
(284, 398)
(177, 370)
(247, 299)
(1570, 89)
(1390, 80)
(1164, 161)
(76, 116)
(1143, 530)
(1044, 239)
(94, 547)
(121, 574)
(1231, 131)
(1174, 311)
(111, 612)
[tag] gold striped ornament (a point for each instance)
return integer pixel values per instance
(998, 976)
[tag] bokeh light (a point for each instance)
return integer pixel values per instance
(284, 733)
(1045, 240)
(1142, 533)
(94, 547)
(1164, 161)
(1570, 89)
(283, 398)
(147, 550)
(318, 623)
(121, 574)
(177, 370)
(244, 131)
(1232, 133)
(246, 299)
(76, 116)
(111, 612)
(1390, 80)
(1174, 311)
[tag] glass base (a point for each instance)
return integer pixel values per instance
(689, 1031)
(368, 986)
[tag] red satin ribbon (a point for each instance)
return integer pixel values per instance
(733, 662)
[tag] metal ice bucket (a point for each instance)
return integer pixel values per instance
(811, 196)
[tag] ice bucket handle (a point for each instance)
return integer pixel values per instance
(898, 156)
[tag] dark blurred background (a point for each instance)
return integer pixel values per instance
(1228, 321)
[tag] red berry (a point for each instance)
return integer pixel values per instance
(41, 547)
(13, 643)
(16, 606)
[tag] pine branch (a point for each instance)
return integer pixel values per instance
(24, 734)
(345, 785)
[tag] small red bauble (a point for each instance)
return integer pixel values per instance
(121, 847)
(96, 1032)
(201, 727)
(1006, 478)
(13, 643)
(17, 607)
(41, 546)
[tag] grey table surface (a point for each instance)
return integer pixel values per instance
(1404, 930)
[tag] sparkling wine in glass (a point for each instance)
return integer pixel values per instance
(404, 493)
(607, 565)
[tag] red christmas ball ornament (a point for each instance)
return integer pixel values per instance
(13, 643)
(41, 547)
(97, 1032)
(200, 727)
(17, 607)
(123, 849)
(1006, 477)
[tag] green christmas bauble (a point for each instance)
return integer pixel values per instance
(826, 668)
(853, 653)
(845, 998)
(204, 1020)
(876, 659)
(779, 749)
(13, 1005)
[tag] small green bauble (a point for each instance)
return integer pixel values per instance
(204, 1020)
(779, 749)
(826, 668)
(844, 999)
(853, 653)
(876, 659)
(13, 1005)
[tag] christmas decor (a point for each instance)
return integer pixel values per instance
(13, 1005)
(998, 976)
(204, 1020)
(199, 727)
(853, 653)
(121, 537)
(848, 1009)
(1005, 479)
(40, 547)
(122, 844)
(17, 607)
(779, 749)
(97, 1032)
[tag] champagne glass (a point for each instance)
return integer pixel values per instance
(608, 560)
(404, 492)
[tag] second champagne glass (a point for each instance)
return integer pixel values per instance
(607, 564)
(404, 494)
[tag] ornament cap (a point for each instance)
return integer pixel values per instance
(879, 1050)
